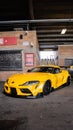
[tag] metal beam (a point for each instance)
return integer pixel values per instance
(37, 21)
(31, 9)
(49, 47)
(56, 39)
(41, 36)
(52, 31)
(55, 43)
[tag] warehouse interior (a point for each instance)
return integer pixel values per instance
(37, 30)
(33, 33)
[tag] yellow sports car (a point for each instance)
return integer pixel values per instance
(37, 82)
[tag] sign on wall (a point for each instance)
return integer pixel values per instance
(8, 40)
(25, 43)
(29, 59)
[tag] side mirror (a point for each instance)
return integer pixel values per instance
(28, 70)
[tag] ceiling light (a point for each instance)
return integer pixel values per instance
(63, 31)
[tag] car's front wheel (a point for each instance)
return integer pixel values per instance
(39, 95)
(47, 87)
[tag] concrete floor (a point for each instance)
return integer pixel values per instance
(52, 112)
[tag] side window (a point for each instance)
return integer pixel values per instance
(50, 70)
(57, 70)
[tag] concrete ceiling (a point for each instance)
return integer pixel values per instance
(56, 11)
(47, 17)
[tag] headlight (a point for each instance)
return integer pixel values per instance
(29, 83)
(6, 81)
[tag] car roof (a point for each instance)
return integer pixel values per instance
(55, 66)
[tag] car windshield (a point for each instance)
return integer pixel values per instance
(42, 69)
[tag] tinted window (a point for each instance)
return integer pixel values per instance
(56, 70)
(42, 69)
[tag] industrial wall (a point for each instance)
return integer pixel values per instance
(19, 52)
(65, 55)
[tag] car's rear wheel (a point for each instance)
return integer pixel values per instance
(47, 87)
(68, 81)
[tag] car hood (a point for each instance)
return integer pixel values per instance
(21, 78)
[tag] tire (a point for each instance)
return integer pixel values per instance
(68, 81)
(39, 95)
(47, 87)
(51, 89)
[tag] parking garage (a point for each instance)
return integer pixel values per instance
(25, 44)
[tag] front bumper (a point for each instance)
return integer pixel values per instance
(15, 91)
(26, 91)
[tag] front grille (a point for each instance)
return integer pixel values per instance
(26, 91)
(13, 91)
